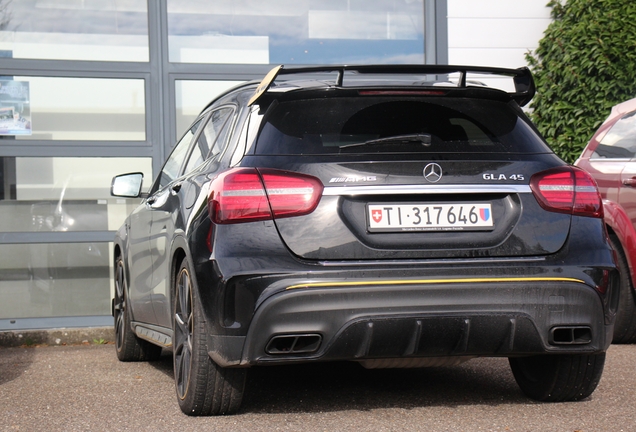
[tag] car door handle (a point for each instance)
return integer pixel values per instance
(631, 182)
(176, 188)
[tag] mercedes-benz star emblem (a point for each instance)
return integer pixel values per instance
(433, 172)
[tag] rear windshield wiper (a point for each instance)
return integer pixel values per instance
(424, 139)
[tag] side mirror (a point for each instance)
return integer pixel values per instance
(127, 185)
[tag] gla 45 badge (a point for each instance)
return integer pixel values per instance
(490, 176)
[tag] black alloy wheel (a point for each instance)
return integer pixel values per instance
(128, 346)
(203, 387)
(183, 330)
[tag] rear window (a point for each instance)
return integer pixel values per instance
(344, 125)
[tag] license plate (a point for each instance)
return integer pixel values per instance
(429, 217)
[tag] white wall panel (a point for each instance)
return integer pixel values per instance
(495, 32)
(504, 57)
(498, 9)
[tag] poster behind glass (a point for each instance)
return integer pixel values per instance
(15, 109)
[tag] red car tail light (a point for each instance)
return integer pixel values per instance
(238, 196)
(291, 194)
(248, 195)
(567, 190)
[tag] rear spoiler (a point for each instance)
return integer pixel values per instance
(523, 81)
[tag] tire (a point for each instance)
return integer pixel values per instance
(558, 378)
(128, 346)
(203, 387)
(625, 325)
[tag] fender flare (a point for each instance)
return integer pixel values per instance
(178, 242)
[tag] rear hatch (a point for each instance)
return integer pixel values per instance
(410, 178)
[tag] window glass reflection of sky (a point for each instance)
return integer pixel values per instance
(76, 16)
(624, 132)
(296, 32)
(106, 30)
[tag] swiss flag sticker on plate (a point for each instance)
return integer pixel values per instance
(377, 215)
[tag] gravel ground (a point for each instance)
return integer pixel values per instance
(85, 388)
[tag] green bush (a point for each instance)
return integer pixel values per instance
(585, 64)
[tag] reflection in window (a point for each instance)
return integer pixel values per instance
(91, 109)
(65, 194)
(172, 167)
(337, 126)
(210, 142)
(296, 32)
(74, 30)
(620, 141)
(193, 95)
(54, 280)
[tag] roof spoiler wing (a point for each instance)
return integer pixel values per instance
(522, 77)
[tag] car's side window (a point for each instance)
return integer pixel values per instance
(212, 139)
(620, 141)
(171, 168)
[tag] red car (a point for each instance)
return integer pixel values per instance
(610, 157)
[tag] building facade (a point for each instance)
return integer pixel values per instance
(94, 88)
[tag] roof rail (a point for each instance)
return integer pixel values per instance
(523, 81)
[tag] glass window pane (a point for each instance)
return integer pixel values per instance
(65, 194)
(296, 31)
(172, 167)
(54, 280)
(192, 96)
(338, 126)
(620, 141)
(84, 109)
(208, 144)
(102, 30)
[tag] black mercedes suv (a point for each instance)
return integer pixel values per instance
(394, 216)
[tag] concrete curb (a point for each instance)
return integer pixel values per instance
(64, 336)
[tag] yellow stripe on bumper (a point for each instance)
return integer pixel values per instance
(434, 281)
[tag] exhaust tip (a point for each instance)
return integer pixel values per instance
(570, 335)
(294, 344)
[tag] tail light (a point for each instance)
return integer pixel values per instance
(250, 194)
(567, 190)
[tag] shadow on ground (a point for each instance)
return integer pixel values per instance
(334, 386)
(14, 361)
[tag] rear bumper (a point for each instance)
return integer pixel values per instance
(392, 319)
